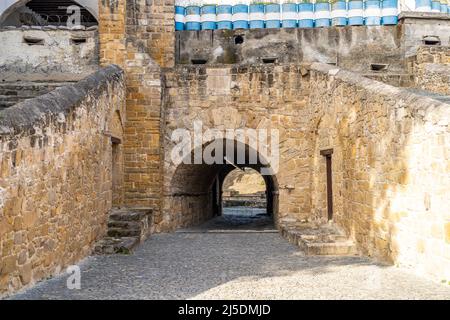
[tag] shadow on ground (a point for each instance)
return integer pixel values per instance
(234, 266)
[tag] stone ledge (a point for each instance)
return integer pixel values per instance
(318, 239)
(24, 116)
(423, 15)
(377, 87)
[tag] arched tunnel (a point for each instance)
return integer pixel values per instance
(195, 192)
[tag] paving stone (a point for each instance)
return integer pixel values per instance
(234, 266)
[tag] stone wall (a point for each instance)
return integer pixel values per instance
(56, 176)
(149, 21)
(139, 36)
(390, 168)
(418, 26)
(390, 159)
(246, 97)
(46, 54)
(345, 46)
(355, 48)
(431, 68)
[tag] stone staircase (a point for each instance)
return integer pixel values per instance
(12, 93)
(7, 101)
(318, 239)
(127, 227)
(401, 80)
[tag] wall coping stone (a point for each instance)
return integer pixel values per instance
(24, 116)
(377, 87)
(404, 15)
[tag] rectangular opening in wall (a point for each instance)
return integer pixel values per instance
(431, 41)
(327, 153)
(379, 66)
(32, 41)
(116, 170)
(78, 40)
(199, 61)
(269, 60)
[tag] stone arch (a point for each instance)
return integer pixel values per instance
(192, 193)
(10, 6)
(271, 186)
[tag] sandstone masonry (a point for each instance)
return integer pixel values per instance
(56, 176)
(71, 155)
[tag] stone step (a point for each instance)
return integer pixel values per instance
(111, 245)
(128, 214)
(127, 227)
(325, 239)
(8, 97)
(6, 104)
(338, 248)
(124, 232)
(125, 224)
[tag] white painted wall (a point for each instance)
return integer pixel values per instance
(57, 58)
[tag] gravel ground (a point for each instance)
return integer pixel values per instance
(234, 266)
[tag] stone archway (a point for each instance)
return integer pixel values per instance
(193, 193)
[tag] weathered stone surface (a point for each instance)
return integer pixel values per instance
(56, 179)
(56, 58)
(346, 47)
(60, 173)
(431, 68)
(375, 130)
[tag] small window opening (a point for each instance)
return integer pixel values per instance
(199, 61)
(31, 41)
(269, 60)
(78, 41)
(431, 40)
(378, 66)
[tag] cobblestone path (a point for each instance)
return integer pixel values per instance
(230, 266)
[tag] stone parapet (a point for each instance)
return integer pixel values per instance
(57, 175)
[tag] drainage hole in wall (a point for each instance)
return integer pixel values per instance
(269, 60)
(33, 41)
(78, 41)
(378, 66)
(238, 40)
(431, 41)
(199, 61)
